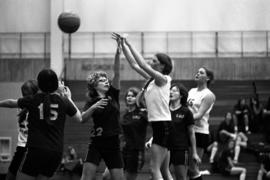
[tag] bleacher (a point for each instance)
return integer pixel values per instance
(227, 93)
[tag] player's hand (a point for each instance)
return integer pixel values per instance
(101, 103)
(67, 92)
(196, 158)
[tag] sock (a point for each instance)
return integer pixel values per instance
(213, 153)
(236, 152)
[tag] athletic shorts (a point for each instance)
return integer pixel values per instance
(202, 140)
(107, 149)
(161, 132)
(133, 160)
(39, 161)
(16, 160)
(179, 157)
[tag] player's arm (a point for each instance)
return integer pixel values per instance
(192, 139)
(67, 93)
(206, 104)
(160, 79)
(132, 61)
(87, 114)
(116, 67)
(133, 64)
(9, 103)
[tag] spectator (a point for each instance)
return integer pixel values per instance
(226, 132)
(226, 165)
(266, 120)
(241, 116)
(256, 112)
(264, 171)
(70, 162)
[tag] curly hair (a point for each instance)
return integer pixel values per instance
(92, 81)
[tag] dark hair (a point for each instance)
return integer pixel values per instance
(166, 61)
(210, 75)
(47, 83)
(268, 104)
(92, 82)
(183, 92)
(134, 90)
(29, 87)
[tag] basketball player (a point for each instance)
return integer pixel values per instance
(46, 120)
(134, 126)
(104, 110)
(28, 88)
(157, 96)
(201, 100)
(182, 132)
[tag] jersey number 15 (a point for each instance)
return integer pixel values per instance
(53, 112)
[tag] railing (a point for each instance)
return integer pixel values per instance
(176, 44)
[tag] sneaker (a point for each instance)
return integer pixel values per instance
(205, 172)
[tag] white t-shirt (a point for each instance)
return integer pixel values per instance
(157, 101)
(195, 99)
(23, 132)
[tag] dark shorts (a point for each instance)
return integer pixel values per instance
(39, 161)
(107, 149)
(161, 132)
(16, 160)
(179, 157)
(133, 160)
(202, 140)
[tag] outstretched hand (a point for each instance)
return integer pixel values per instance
(119, 38)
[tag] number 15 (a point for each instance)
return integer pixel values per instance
(53, 112)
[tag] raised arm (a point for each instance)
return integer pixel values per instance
(9, 103)
(116, 67)
(160, 79)
(132, 61)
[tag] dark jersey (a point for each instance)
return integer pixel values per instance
(182, 118)
(224, 126)
(42, 134)
(106, 121)
(134, 127)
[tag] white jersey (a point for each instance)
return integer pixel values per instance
(195, 99)
(23, 132)
(157, 101)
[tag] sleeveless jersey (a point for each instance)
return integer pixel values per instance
(195, 99)
(157, 101)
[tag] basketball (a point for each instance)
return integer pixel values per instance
(69, 22)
